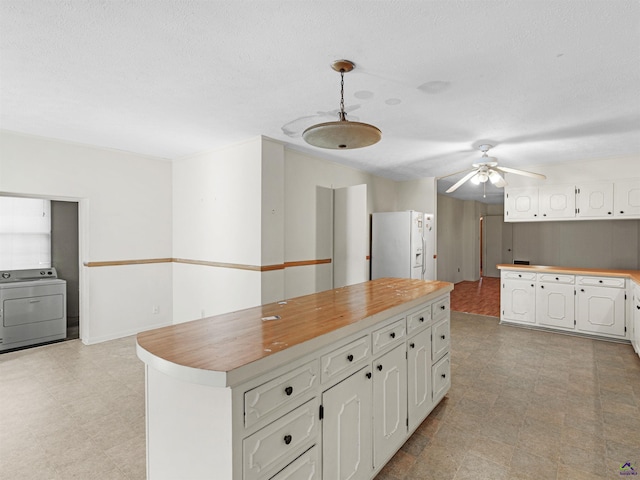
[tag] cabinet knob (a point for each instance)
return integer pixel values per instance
(557, 278)
(532, 284)
(544, 214)
(288, 390)
(379, 367)
(350, 357)
(582, 289)
(368, 374)
(442, 337)
(519, 275)
(392, 334)
(444, 375)
(442, 307)
(599, 281)
(421, 319)
(621, 211)
(608, 213)
(638, 307)
(535, 214)
(413, 345)
(541, 286)
(287, 439)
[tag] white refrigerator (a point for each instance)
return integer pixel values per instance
(403, 245)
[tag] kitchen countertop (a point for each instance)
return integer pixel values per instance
(223, 350)
(632, 274)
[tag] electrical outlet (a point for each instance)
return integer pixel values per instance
(156, 309)
(458, 269)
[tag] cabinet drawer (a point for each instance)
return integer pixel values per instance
(556, 278)
(344, 358)
(601, 281)
(440, 339)
(518, 275)
(387, 335)
(418, 320)
(269, 450)
(305, 467)
(440, 309)
(441, 377)
(265, 399)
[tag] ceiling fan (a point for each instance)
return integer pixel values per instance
(487, 169)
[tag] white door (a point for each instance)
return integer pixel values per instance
(346, 429)
(555, 305)
(350, 236)
(389, 404)
(517, 299)
(594, 200)
(557, 201)
(419, 377)
(521, 204)
(600, 310)
(626, 200)
(492, 243)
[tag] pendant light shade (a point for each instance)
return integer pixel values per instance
(343, 134)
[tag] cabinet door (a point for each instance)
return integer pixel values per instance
(555, 305)
(305, 467)
(521, 204)
(419, 377)
(517, 299)
(600, 310)
(346, 428)
(636, 319)
(557, 201)
(389, 404)
(626, 199)
(594, 200)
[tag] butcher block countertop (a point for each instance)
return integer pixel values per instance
(223, 350)
(632, 274)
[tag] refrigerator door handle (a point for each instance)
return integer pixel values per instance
(424, 256)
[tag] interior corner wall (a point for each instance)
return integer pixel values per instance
(217, 219)
(419, 195)
(124, 214)
(308, 217)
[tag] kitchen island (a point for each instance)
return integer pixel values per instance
(328, 385)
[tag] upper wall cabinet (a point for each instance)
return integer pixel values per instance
(627, 198)
(588, 201)
(594, 200)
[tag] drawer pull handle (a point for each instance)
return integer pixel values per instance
(413, 345)
(557, 278)
(582, 289)
(288, 390)
(287, 439)
(392, 334)
(379, 367)
(444, 375)
(350, 357)
(442, 337)
(421, 319)
(368, 374)
(599, 281)
(519, 275)
(442, 307)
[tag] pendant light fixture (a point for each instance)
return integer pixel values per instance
(343, 134)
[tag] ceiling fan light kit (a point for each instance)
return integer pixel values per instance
(343, 134)
(488, 169)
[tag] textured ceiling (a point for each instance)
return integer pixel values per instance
(542, 80)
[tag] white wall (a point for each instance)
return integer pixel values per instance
(125, 214)
(308, 181)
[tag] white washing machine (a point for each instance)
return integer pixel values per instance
(33, 307)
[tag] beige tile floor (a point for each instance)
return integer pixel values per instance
(523, 404)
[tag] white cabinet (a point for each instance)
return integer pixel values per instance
(555, 301)
(521, 204)
(517, 297)
(600, 305)
(305, 467)
(419, 377)
(556, 201)
(441, 374)
(347, 428)
(389, 404)
(594, 200)
(627, 198)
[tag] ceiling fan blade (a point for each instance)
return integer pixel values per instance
(456, 173)
(497, 179)
(521, 172)
(456, 185)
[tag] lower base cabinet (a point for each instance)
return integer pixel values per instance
(600, 310)
(555, 305)
(420, 400)
(347, 429)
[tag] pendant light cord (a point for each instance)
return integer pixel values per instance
(342, 115)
